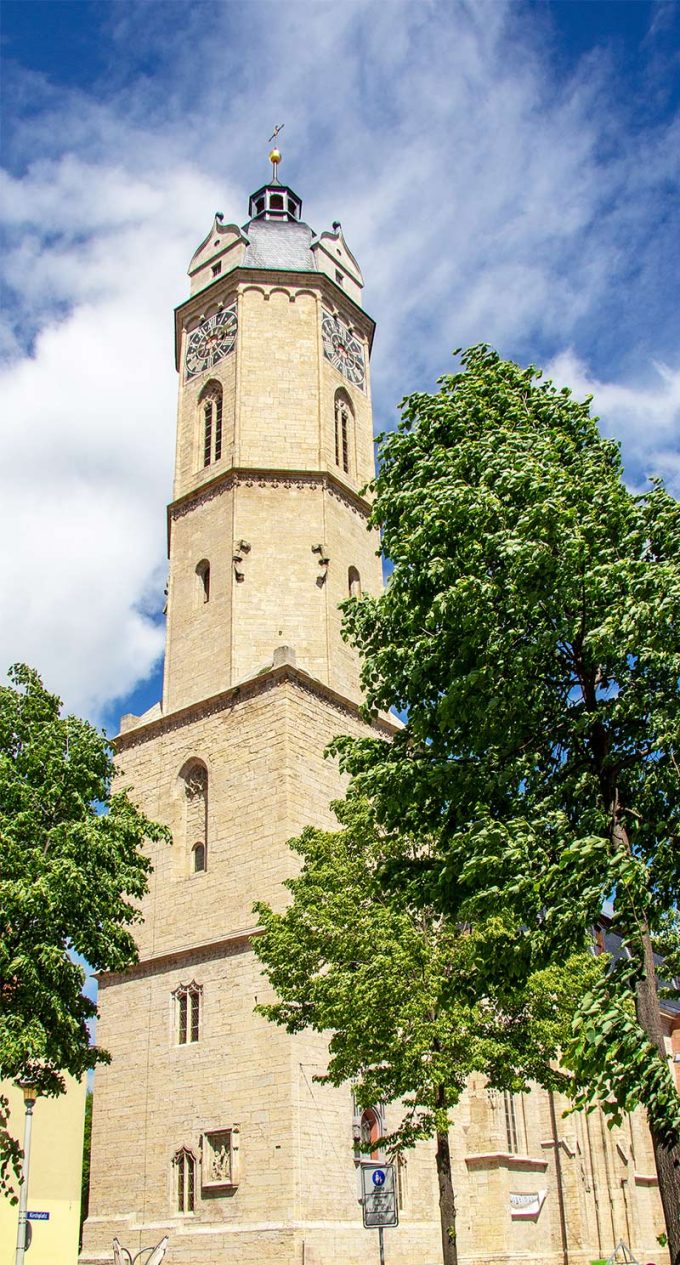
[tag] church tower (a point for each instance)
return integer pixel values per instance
(274, 443)
(208, 1125)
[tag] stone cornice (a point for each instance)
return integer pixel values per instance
(207, 298)
(200, 952)
(236, 695)
(506, 1159)
(251, 477)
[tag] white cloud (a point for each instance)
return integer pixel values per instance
(645, 418)
(486, 197)
(87, 427)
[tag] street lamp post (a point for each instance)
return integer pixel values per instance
(30, 1095)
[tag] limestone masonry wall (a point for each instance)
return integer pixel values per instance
(209, 1125)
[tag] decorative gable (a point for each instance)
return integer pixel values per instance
(219, 252)
(333, 256)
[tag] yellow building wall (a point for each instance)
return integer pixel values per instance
(54, 1176)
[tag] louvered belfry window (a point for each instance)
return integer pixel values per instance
(211, 407)
(343, 416)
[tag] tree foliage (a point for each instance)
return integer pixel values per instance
(531, 632)
(411, 1000)
(72, 871)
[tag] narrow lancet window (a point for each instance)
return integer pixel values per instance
(207, 432)
(343, 416)
(185, 1180)
(370, 1132)
(194, 777)
(210, 401)
(510, 1122)
(203, 573)
(218, 426)
(188, 1006)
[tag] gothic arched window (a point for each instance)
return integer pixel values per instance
(188, 1012)
(210, 407)
(203, 573)
(370, 1131)
(194, 777)
(343, 418)
(184, 1164)
(511, 1135)
(353, 582)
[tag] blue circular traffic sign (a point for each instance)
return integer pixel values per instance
(378, 1177)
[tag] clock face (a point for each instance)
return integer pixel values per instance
(343, 350)
(211, 341)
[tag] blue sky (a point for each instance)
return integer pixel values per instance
(505, 172)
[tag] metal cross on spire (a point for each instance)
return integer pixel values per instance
(275, 153)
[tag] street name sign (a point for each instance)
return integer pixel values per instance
(379, 1196)
(37, 1216)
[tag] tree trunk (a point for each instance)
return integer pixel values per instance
(447, 1201)
(648, 1013)
(667, 1160)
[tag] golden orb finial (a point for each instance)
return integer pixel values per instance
(275, 153)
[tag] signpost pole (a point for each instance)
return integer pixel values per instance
(30, 1095)
(381, 1240)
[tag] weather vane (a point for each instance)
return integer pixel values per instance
(275, 153)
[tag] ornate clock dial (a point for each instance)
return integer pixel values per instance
(343, 350)
(211, 341)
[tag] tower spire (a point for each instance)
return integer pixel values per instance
(275, 201)
(275, 153)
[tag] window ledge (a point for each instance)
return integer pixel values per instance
(505, 1159)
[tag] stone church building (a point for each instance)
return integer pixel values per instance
(208, 1124)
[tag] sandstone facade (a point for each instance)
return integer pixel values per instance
(208, 1124)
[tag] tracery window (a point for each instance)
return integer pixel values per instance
(511, 1134)
(188, 1013)
(343, 417)
(185, 1180)
(510, 1127)
(371, 1128)
(210, 403)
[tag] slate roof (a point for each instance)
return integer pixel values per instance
(274, 244)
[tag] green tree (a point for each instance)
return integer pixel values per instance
(531, 632)
(412, 1002)
(72, 871)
